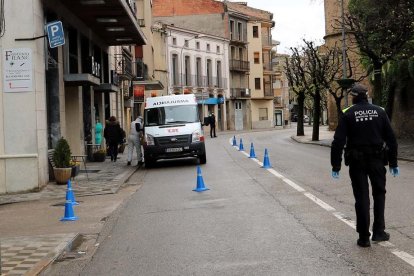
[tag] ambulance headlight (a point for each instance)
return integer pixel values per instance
(197, 136)
(149, 139)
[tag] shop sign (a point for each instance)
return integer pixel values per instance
(139, 91)
(18, 71)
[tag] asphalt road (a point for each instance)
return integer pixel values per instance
(292, 220)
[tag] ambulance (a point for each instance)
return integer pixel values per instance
(172, 129)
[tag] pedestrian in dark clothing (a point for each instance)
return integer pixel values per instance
(114, 135)
(212, 122)
(370, 145)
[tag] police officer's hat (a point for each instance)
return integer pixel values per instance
(358, 89)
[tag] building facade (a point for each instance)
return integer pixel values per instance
(60, 91)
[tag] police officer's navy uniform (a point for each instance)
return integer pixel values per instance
(366, 131)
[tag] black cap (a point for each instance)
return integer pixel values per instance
(358, 89)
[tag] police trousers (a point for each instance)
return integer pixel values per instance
(359, 172)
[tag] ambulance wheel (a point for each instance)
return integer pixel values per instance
(149, 163)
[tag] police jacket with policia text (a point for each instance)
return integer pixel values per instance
(363, 127)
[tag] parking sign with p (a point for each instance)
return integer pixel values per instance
(55, 34)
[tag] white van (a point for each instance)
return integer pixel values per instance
(172, 129)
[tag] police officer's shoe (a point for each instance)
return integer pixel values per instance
(384, 236)
(364, 242)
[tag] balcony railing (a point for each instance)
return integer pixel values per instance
(236, 93)
(239, 65)
(268, 66)
(199, 81)
(268, 92)
(266, 41)
(123, 66)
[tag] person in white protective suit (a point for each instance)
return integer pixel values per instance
(135, 134)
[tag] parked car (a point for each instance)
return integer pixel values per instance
(305, 118)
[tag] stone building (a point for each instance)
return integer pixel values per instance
(60, 91)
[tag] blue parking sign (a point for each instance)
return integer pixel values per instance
(55, 34)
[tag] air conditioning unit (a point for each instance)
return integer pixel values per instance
(247, 91)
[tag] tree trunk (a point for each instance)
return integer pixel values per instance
(301, 102)
(316, 115)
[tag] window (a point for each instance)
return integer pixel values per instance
(277, 84)
(256, 58)
(186, 43)
(174, 68)
(238, 105)
(218, 49)
(174, 41)
(255, 31)
(263, 114)
(209, 73)
(231, 29)
(198, 72)
(257, 83)
(187, 71)
(218, 73)
(198, 45)
(241, 54)
(208, 47)
(239, 30)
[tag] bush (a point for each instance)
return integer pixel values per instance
(62, 154)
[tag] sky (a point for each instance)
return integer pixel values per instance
(295, 20)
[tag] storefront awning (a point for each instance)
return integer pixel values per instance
(211, 101)
(81, 79)
(149, 84)
(106, 88)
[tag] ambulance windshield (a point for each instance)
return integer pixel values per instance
(166, 115)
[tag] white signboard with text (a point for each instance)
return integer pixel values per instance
(18, 70)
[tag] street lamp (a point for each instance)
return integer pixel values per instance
(344, 83)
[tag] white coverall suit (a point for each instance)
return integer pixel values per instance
(134, 140)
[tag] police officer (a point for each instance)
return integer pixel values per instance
(370, 145)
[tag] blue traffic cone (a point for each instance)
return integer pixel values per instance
(70, 195)
(234, 141)
(266, 162)
(69, 213)
(252, 154)
(241, 148)
(200, 182)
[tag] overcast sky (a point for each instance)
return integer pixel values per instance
(295, 20)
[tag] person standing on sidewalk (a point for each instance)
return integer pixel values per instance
(134, 140)
(114, 135)
(212, 122)
(370, 145)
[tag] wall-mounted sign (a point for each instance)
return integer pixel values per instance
(18, 71)
(55, 34)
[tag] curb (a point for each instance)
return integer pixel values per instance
(44, 264)
(318, 143)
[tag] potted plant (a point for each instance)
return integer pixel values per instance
(61, 158)
(99, 155)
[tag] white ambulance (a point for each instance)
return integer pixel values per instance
(172, 129)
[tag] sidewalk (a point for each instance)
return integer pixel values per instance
(405, 146)
(31, 234)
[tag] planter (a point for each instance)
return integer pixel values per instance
(75, 171)
(99, 156)
(62, 175)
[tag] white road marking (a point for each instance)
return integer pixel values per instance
(408, 258)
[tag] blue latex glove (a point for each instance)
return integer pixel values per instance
(335, 175)
(395, 171)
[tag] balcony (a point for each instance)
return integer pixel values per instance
(240, 93)
(267, 42)
(123, 66)
(114, 21)
(268, 92)
(239, 65)
(183, 80)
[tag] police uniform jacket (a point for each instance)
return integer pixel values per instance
(363, 126)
